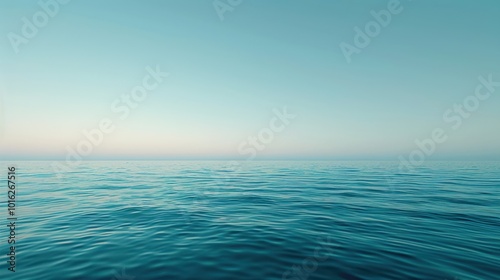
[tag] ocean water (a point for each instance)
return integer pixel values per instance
(260, 220)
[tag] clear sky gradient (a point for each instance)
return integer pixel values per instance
(227, 76)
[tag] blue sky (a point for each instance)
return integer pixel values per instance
(227, 77)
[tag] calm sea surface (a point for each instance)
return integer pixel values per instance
(262, 220)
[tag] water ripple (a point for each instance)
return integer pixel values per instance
(212, 220)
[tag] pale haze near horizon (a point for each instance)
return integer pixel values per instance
(227, 77)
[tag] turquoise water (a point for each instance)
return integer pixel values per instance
(265, 220)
